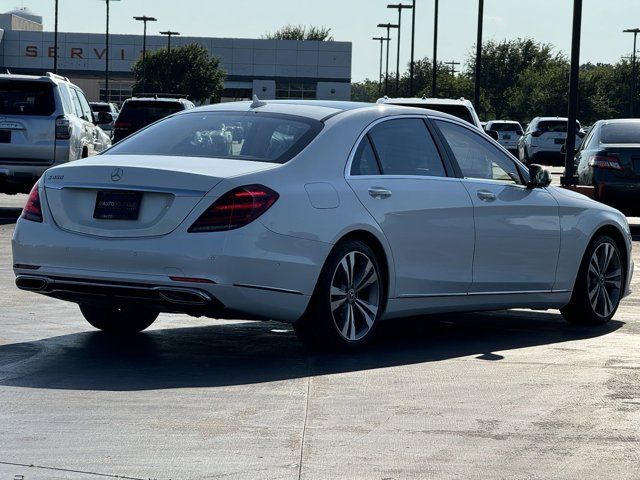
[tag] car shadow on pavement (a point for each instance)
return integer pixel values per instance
(254, 352)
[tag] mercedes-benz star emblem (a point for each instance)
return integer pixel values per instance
(117, 174)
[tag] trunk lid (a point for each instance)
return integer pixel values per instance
(125, 196)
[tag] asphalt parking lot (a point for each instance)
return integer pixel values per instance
(504, 395)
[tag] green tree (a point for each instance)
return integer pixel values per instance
(185, 70)
(301, 32)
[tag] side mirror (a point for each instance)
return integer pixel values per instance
(581, 133)
(519, 132)
(104, 118)
(563, 149)
(493, 134)
(539, 176)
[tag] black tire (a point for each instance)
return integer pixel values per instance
(585, 307)
(119, 320)
(352, 307)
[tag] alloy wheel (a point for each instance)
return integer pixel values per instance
(355, 296)
(604, 279)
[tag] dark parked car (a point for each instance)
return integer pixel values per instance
(609, 160)
(137, 113)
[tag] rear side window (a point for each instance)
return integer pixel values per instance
(628, 132)
(145, 113)
(405, 147)
(252, 136)
(364, 161)
(26, 98)
(100, 107)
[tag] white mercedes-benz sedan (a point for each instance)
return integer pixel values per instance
(332, 216)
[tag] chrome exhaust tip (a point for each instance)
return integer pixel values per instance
(183, 296)
(32, 284)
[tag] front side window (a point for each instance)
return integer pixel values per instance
(255, 136)
(476, 156)
(405, 147)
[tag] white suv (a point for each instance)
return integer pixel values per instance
(543, 140)
(461, 108)
(44, 121)
(508, 133)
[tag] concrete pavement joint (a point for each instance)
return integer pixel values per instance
(70, 470)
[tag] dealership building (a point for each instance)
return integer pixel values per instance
(279, 69)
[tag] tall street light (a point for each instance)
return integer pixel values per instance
(569, 167)
(476, 95)
(635, 32)
(434, 66)
(55, 40)
(381, 40)
(388, 26)
(413, 45)
(144, 19)
(169, 34)
(399, 7)
(106, 54)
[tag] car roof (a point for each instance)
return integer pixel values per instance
(425, 100)
(545, 119)
(156, 99)
(49, 77)
(316, 109)
(503, 121)
(618, 120)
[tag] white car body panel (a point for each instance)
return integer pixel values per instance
(524, 251)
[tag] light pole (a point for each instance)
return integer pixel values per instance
(381, 40)
(169, 34)
(399, 7)
(413, 45)
(570, 145)
(388, 26)
(55, 40)
(106, 54)
(144, 19)
(434, 67)
(476, 95)
(635, 32)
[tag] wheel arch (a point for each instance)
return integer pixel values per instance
(614, 232)
(380, 249)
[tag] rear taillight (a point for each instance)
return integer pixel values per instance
(235, 209)
(119, 124)
(32, 210)
(63, 128)
(607, 162)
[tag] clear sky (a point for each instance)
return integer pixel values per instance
(356, 20)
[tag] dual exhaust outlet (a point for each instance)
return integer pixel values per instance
(177, 296)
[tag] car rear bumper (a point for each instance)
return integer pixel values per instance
(622, 196)
(246, 273)
(547, 157)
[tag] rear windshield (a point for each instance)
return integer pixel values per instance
(505, 127)
(100, 108)
(555, 126)
(26, 98)
(459, 111)
(621, 133)
(144, 113)
(252, 136)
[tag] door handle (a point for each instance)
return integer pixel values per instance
(486, 195)
(379, 192)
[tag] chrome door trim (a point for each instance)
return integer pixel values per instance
(473, 294)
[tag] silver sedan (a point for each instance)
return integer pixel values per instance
(332, 216)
